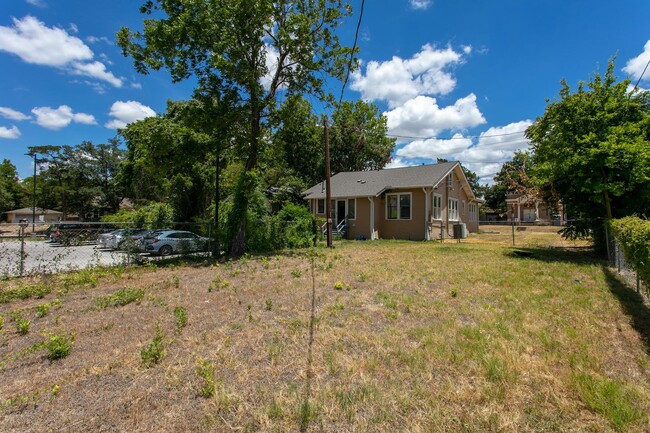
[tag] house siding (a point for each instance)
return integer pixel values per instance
(410, 229)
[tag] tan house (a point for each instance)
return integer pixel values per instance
(527, 208)
(414, 203)
(25, 214)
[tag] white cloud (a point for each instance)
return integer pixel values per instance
(125, 112)
(435, 148)
(635, 66)
(422, 117)
(484, 154)
(73, 28)
(96, 70)
(35, 43)
(399, 162)
(37, 3)
(57, 118)
(9, 133)
(95, 39)
(399, 80)
(11, 114)
(420, 4)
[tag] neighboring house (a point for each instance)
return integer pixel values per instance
(527, 208)
(25, 214)
(416, 203)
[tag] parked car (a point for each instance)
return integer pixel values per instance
(77, 233)
(166, 242)
(121, 239)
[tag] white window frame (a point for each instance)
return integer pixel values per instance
(436, 211)
(450, 180)
(399, 214)
(473, 212)
(452, 205)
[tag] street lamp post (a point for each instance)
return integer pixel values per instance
(33, 154)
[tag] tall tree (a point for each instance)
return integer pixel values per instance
(592, 146)
(358, 138)
(247, 51)
(11, 192)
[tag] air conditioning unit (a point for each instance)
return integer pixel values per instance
(460, 231)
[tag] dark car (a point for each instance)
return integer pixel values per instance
(77, 233)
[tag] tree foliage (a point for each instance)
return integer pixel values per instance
(11, 192)
(512, 178)
(245, 52)
(592, 147)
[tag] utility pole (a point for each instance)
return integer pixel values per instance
(328, 193)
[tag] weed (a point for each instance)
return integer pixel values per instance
(276, 347)
(181, 318)
(24, 292)
(22, 324)
(296, 273)
(362, 277)
(153, 352)
(454, 293)
(274, 411)
(265, 262)
(2, 323)
(206, 371)
(58, 346)
(43, 310)
(268, 305)
(120, 298)
(176, 281)
(339, 285)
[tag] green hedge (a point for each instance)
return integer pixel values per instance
(633, 234)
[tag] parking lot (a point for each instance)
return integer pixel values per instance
(46, 257)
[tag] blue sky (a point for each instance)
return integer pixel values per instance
(457, 79)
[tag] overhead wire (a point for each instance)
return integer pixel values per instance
(354, 47)
(641, 77)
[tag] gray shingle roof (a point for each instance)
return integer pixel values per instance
(373, 183)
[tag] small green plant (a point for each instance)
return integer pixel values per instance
(454, 293)
(206, 371)
(2, 322)
(265, 262)
(154, 351)
(176, 281)
(42, 310)
(58, 345)
(120, 298)
(181, 318)
(22, 324)
(339, 285)
(268, 305)
(296, 273)
(362, 277)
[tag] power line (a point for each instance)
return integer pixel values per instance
(354, 47)
(454, 138)
(642, 74)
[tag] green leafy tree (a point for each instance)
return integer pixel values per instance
(592, 147)
(11, 192)
(513, 178)
(225, 44)
(358, 138)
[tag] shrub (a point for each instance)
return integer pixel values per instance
(206, 371)
(181, 318)
(153, 352)
(634, 235)
(22, 325)
(58, 346)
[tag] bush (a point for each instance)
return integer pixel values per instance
(633, 234)
(294, 227)
(153, 352)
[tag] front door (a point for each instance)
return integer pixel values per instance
(340, 211)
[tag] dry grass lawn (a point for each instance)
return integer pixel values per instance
(414, 337)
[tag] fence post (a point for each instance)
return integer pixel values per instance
(22, 248)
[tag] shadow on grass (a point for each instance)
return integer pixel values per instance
(555, 255)
(632, 303)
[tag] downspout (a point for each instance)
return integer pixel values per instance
(426, 214)
(372, 218)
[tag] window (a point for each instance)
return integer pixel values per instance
(352, 208)
(462, 208)
(450, 179)
(398, 206)
(453, 209)
(437, 207)
(473, 212)
(320, 206)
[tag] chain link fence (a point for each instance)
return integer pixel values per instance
(624, 267)
(73, 246)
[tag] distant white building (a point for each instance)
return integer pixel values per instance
(43, 216)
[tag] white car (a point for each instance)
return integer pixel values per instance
(168, 242)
